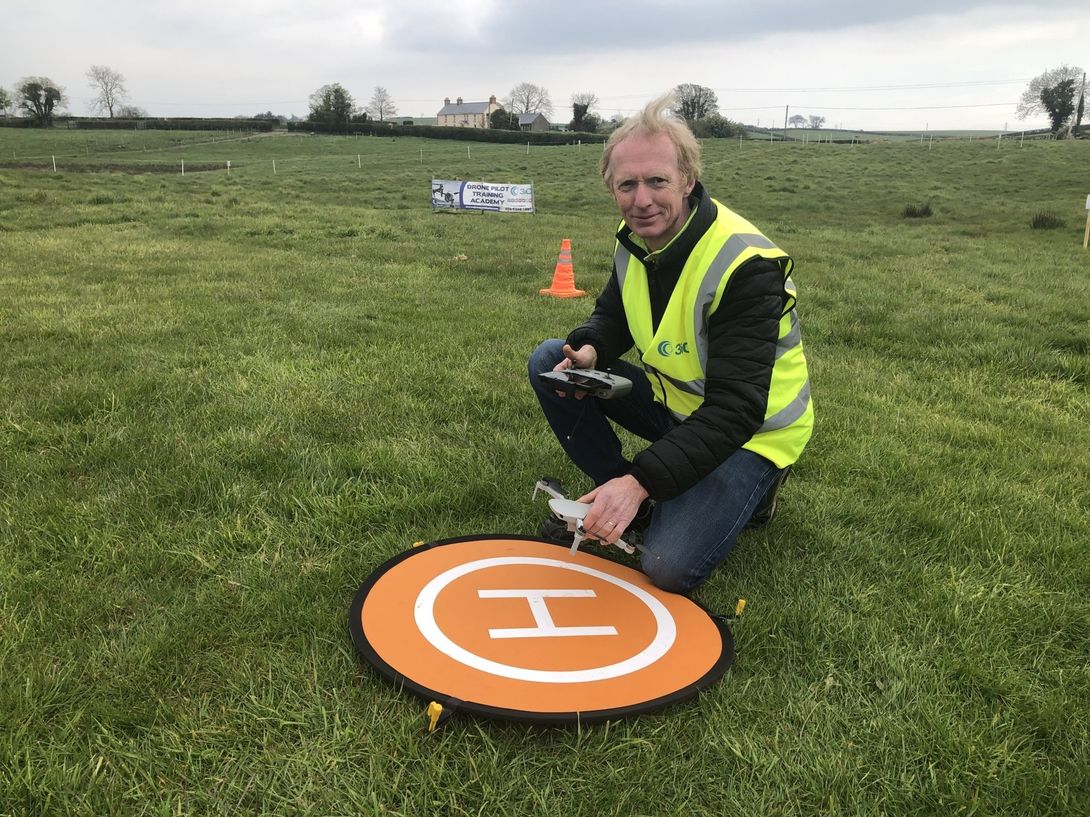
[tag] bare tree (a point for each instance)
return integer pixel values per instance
(5, 101)
(797, 121)
(528, 98)
(816, 121)
(109, 87)
(694, 102)
(39, 97)
(586, 98)
(1031, 104)
(382, 104)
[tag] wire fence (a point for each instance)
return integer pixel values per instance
(140, 156)
(214, 154)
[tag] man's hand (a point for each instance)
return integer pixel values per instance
(585, 357)
(613, 507)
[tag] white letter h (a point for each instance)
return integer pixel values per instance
(546, 627)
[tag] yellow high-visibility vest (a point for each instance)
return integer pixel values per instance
(675, 356)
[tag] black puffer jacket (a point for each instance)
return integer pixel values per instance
(742, 337)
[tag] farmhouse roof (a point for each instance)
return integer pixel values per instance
(455, 108)
(530, 118)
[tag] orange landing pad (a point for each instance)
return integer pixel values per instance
(517, 628)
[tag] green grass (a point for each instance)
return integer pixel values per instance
(227, 398)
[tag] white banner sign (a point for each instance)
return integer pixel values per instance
(461, 195)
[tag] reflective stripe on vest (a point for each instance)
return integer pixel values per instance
(789, 413)
(792, 338)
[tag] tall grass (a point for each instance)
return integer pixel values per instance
(228, 397)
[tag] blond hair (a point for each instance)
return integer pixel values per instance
(651, 121)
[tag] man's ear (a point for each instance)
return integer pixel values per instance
(689, 185)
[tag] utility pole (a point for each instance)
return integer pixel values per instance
(1078, 112)
(786, 108)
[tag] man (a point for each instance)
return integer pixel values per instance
(723, 394)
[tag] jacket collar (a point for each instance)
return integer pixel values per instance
(675, 254)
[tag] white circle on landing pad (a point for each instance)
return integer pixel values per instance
(424, 611)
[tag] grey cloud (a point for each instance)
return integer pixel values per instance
(570, 27)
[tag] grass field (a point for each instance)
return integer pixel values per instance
(227, 397)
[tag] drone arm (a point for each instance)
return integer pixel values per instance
(549, 486)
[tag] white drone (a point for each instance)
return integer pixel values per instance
(573, 513)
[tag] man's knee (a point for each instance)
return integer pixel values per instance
(669, 576)
(545, 357)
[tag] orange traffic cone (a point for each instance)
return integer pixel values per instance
(563, 276)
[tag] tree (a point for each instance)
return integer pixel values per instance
(579, 117)
(1031, 104)
(693, 102)
(333, 106)
(382, 104)
(586, 98)
(592, 123)
(131, 112)
(816, 121)
(614, 122)
(528, 98)
(716, 127)
(503, 120)
(581, 105)
(1058, 100)
(5, 101)
(39, 97)
(109, 87)
(797, 121)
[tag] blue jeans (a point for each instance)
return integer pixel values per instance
(693, 532)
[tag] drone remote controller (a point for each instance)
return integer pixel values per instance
(604, 385)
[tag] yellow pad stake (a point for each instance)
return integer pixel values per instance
(739, 607)
(435, 710)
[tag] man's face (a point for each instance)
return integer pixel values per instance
(649, 188)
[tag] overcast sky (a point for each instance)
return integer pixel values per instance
(860, 63)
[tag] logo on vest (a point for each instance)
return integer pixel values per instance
(668, 348)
